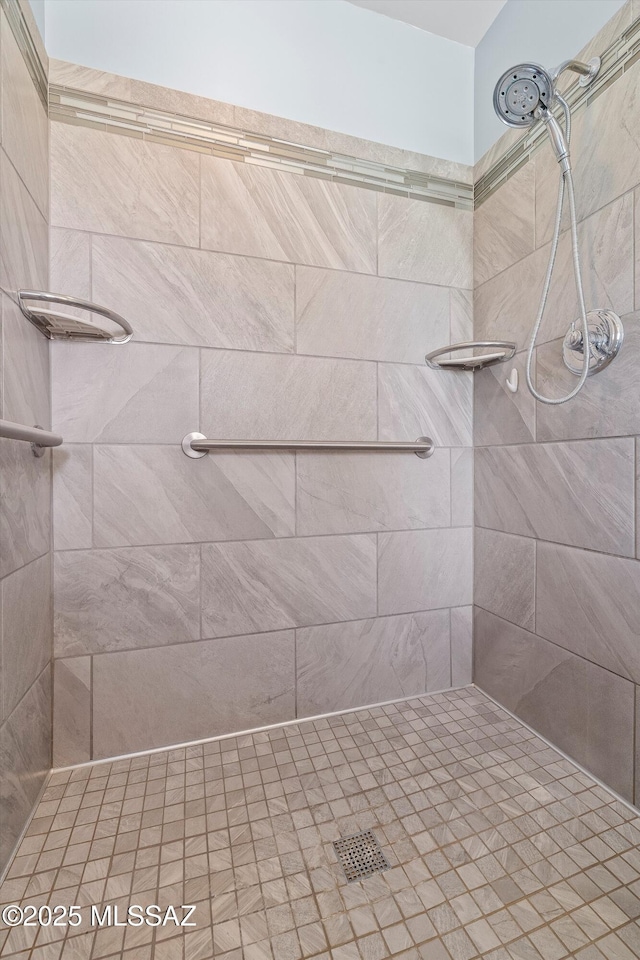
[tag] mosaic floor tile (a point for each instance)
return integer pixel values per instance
(498, 847)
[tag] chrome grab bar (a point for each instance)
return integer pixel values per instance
(196, 445)
(36, 436)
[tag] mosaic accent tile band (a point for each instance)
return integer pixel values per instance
(617, 59)
(118, 116)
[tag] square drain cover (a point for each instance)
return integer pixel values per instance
(360, 856)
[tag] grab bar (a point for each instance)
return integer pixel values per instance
(36, 436)
(196, 445)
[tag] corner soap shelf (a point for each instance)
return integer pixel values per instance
(502, 350)
(56, 325)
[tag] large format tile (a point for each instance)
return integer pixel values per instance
(25, 760)
(72, 711)
(461, 646)
(424, 569)
(124, 186)
(504, 226)
(608, 404)
(251, 396)
(144, 699)
(499, 415)
(460, 316)
(424, 241)
(137, 393)
(369, 661)
(504, 575)
(354, 492)
(177, 295)
(109, 600)
(281, 216)
(371, 318)
(585, 710)
(272, 585)
(72, 496)
(578, 493)
(506, 306)
(154, 494)
(462, 487)
(25, 367)
(70, 262)
(416, 401)
(605, 153)
(25, 505)
(26, 629)
(589, 603)
(25, 134)
(24, 236)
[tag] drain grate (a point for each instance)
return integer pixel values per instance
(360, 856)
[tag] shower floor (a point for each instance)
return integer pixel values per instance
(498, 847)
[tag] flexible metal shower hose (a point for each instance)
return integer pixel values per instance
(566, 182)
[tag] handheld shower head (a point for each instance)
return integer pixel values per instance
(521, 91)
(523, 95)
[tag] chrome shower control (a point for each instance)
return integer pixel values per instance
(605, 339)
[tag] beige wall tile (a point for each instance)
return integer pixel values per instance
(175, 295)
(264, 213)
(416, 401)
(72, 711)
(505, 307)
(352, 493)
(501, 416)
(144, 699)
(154, 494)
(461, 646)
(72, 496)
(25, 505)
(122, 185)
(25, 759)
(25, 359)
(425, 241)
(424, 569)
(25, 134)
(24, 243)
(369, 661)
(26, 629)
(608, 405)
(596, 622)
(577, 493)
(504, 576)
(272, 585)
(585, 710)
(138, 393)
(369, 318)
(504, 226)
(268, 397)
(70, 262)
(129, 598)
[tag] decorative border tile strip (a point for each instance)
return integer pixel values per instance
(118, 116)
(27, 47)
(619, 57)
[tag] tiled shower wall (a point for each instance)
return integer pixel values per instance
(557, 581)
(200, 597)
(25, 482)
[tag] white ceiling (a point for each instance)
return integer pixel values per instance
(465, 21)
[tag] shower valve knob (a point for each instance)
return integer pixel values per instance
(605, 339)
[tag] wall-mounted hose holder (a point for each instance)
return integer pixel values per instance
(56, 325)
(501, 351)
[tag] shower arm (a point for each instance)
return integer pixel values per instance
(588, 71)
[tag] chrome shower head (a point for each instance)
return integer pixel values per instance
(520, 92)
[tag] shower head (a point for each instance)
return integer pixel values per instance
(520, 92)
(523, 95)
